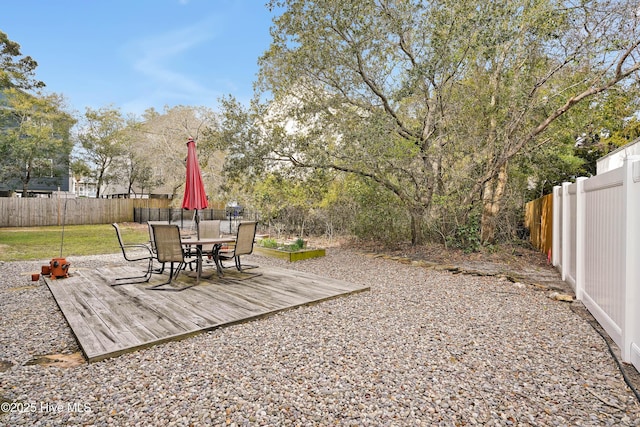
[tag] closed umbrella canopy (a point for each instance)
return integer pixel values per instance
(194, 195)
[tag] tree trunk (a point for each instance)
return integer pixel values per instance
(26, 179)
(417, 237)
(492, 193)
(99, 184)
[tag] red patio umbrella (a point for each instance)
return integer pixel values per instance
(195, 197)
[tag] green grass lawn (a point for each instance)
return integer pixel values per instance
(34, 243)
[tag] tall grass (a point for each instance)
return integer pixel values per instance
(36, 243)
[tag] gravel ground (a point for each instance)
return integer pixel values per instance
(423, 347)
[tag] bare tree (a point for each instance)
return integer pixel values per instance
(162, 139)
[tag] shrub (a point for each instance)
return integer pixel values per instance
(467, 236)
(269, 243)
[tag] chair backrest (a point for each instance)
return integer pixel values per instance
(245, 237)
(120, 242)
(151, 239)
(133, 248)
(167, 239)
(209, 229)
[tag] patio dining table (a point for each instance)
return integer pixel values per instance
(217, 243)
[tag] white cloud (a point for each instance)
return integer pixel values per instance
(154, 59)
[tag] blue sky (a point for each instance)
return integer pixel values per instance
(136, 54)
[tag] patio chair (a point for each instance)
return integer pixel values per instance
(209, 229)
(243, 246)
(169, 250)
(152, 244)
(134, 252)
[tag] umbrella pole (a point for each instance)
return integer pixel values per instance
(197, 225)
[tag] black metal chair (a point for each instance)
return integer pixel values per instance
(134, 252)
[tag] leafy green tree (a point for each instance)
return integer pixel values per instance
(291, 203)
(363, 86)
(338, 208)
(35, 142)
(135, 167)
(16, 71)
(101, 138)
(537, 60)
(239, 135)
(434, 98)
(80, 169)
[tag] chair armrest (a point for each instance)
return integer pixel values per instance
(137, 246)
(226, 253)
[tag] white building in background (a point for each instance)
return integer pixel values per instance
(614, 159)
(83, 187)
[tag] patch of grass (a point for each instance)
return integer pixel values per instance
(35, 243)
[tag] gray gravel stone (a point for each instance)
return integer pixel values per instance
(422, 348)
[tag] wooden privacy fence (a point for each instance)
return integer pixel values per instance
(36, 212)
(539, 220)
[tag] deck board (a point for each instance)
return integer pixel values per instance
(111, 320)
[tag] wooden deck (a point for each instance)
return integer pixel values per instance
(111, 320)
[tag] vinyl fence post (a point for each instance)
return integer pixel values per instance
(566, 243)
(555, 233)
(631, 329)
(580, 236)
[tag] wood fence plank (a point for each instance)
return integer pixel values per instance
(41, 211)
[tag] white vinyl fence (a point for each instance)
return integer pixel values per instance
(596, 248)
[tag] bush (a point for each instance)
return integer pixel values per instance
(269, 243)
(467, 236)
(296, 246)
